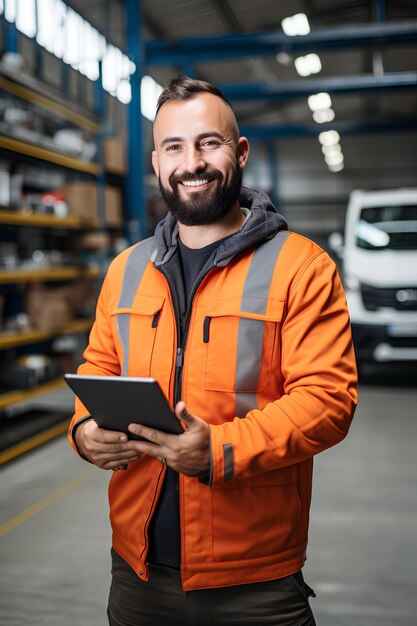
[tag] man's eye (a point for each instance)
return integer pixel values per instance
(173, 148)
(210, 143)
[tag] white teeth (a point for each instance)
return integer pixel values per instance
(195, 183)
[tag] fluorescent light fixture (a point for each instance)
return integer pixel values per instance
(310, 64)
(296, 25)
(329, 137)
(336, 168)
(150, 91)
(325, 115)
(124, 91)
(64, 33)
(335, 148)
(319, 101)
(26, 20)
(284, 58)
(334, 158)
(10, 10)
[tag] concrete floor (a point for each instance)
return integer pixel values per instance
(362, 558)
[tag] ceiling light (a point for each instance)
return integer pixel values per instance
(334, 158)
(310, 64)
(319, 101)
(284, 58)
(327, 115)
(335, 148)
(150, 91)
(296, 25)
(336, 168)
(329, 137)
(124, 91)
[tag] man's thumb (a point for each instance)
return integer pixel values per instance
(184, 414)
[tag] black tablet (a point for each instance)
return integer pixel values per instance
(114, 402)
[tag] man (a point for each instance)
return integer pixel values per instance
(245, 327)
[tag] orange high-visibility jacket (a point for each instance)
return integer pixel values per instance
(268, 364)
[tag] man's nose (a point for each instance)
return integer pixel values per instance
(194, 159)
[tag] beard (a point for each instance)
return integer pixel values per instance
(202, 208)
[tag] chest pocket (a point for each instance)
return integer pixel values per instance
(136, 327)
(242, 346)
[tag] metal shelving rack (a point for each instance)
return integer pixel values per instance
(39, 95)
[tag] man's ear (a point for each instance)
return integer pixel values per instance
(155, 164)
(243, 151)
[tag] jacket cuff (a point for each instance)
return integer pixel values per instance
(73, 430)
(222, 462)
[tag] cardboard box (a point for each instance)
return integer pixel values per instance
(115, 158)
(49, 309)
(82, 200)
(66, 364)
(97, 240)
(113, 200)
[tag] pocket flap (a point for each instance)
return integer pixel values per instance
(142, 305)
(265, 310)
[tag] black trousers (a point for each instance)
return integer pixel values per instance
(161, 601)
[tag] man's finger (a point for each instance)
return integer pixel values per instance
(110, 436)
(150, 434)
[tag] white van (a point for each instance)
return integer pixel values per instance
(379, 270)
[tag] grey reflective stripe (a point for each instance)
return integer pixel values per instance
(251, 332)
(258, 281)
(134, 270)
(229, 461)
(249, 353)
(245, 402)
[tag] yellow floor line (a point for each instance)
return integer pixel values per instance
(46, 501)
(33, 442)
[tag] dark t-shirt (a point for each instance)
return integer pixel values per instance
(164, 530)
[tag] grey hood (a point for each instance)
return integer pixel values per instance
(262, 224)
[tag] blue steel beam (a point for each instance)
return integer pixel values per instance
(271, 150)
(292, 131)
(135, 179)
(333, 85)
(178, 52)
(11, 37)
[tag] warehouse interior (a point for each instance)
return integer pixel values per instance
(326, 93)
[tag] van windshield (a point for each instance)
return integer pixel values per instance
(387, 227)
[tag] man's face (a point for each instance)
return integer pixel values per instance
(198, 159)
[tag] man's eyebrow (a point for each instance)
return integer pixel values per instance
(211, 133)
(205, 135)
(171, 140)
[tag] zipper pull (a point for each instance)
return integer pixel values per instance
(180, 355)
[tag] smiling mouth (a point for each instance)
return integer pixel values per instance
(195, 183)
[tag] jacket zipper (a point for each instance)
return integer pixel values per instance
(182, 330)
(182, 334)
(145, 547)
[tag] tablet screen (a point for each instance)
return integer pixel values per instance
(114, 402)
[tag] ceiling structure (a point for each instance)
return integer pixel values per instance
(210, 39)
(368, 53)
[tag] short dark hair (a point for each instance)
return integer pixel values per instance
(185, 88)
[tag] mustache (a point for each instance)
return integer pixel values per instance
(210, 175)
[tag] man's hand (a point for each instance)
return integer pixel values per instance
(105, 448)
(188, 453)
